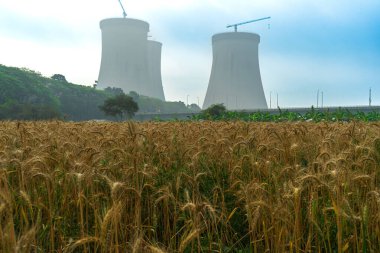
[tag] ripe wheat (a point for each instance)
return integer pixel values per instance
(189, 187)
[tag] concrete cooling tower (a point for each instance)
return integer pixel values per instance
(126, 61)
(154, 69)
(235, 77)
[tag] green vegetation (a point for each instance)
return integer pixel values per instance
(59, 77)
(120, 105)
(25, 101)
(216, 112)
(155, 105)
(26, 94)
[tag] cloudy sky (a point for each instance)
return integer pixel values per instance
(331, 46)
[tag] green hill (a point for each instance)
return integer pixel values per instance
(26, 94)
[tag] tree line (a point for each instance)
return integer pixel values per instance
(26, 94)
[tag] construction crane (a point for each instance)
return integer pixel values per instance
(124, 13)
(247, 22)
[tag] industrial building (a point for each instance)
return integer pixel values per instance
(235, 78)
(129, 60)
(154, 69)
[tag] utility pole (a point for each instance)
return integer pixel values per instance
(270, 100)
(322, 99)
(187, 101)
(370, 96)
(277, 100)
(317, 98)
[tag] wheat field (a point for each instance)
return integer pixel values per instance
(189, 187)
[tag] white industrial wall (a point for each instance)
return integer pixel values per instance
(126, 61)
(154, 67)
(235, 78)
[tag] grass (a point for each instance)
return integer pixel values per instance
(340, 115)
(189, 187)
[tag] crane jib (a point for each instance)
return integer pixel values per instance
(247, 22)
(124, 13)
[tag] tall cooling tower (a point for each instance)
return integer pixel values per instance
(154, 67)
(126, 61)
(235, 77)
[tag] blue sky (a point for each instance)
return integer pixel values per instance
(333, 46)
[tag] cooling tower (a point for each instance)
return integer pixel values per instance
(127, 62)
(235, 77)
(154, 68)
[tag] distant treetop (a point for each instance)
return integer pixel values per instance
(59, 77)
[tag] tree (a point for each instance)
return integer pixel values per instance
(114, 90)
(216, 110)
(59, 77)
(194, 107)
(120, 105)
(134, 95)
